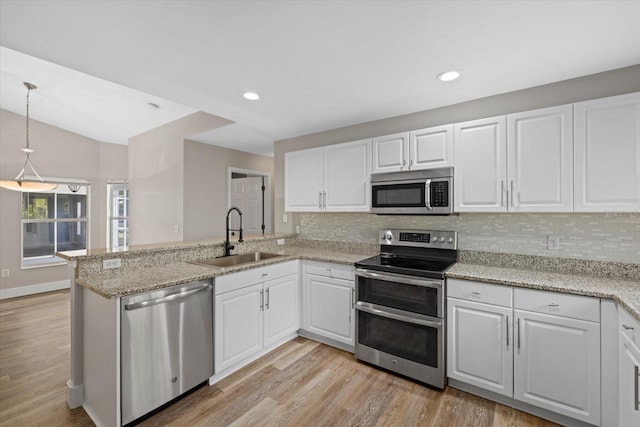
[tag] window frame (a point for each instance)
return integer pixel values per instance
(53, 260)
(111, 187)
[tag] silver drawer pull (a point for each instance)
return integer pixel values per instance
(552, 305)
(507, 331)
(627, 327)
(636, 398)
(476, 294)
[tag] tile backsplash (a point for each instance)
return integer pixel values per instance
(593, 236)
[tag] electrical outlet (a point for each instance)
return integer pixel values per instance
(553, 243)
(280, 241)
(285, 218)
(111, 263)
(338, 231)
(297, 229)
(6, 272)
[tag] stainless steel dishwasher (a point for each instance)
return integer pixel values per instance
(167, 346)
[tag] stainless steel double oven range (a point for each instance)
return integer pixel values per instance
(400, 308)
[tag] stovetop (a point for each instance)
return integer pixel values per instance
(434, 269)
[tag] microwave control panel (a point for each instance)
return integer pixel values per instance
(440, 194)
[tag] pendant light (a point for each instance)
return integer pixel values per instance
(23, 182)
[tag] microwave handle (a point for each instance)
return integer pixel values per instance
(427, 194)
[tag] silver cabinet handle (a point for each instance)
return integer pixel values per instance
(512, 193)
(553, 305)
(324, 199)
(267, 304)
(636, 397)
(501, 193)
(507, 331)
(427, 194)
(476, 294)
(518, 334)
(626, 327)
(319, 199)
(404, 162)
(168, 298)
(261, 300)
(353, 297)
(410, 163)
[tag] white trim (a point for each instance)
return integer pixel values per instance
(21, 291)
(75, 395)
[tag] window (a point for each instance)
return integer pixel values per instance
(118, 213)
(53, 221)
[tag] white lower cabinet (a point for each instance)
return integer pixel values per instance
(628, 370)
(329, 301)
(254, 310)
(545, 351)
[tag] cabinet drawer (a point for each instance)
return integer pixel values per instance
(326, 269)
(241, 279)
(558, 304)
(629, 326)
(481, 292)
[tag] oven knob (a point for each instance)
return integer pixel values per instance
(450, 240)
(434, 239)
(388, 236)
(442, 240)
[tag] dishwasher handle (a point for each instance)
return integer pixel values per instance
(162, 300)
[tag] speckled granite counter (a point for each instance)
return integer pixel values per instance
(625, 292)
(138, 280)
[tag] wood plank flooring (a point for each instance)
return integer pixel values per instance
(302, 383)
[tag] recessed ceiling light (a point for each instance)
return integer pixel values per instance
(251, 96)
(448, 76)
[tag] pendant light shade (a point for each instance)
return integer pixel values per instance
(22, 182)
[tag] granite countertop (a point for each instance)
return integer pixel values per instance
(623, 291)
(130, 282)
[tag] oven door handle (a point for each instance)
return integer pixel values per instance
(400, 317)
(398, 278)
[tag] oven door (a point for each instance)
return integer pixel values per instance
(401, 292)
(406, 343)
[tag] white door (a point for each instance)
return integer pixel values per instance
(628, 379)
(346, 177)
(247, 194)
(480, 165)
(607, 154)
(329, 308)
(480, 345)
(303, 180)
(390, 153)
(238, 326)
(281, 308)
(431, 147)
(540, 147)
(557, 364)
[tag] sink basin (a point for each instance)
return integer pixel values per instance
(233, 260)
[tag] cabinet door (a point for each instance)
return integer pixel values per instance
(390, 152)
(628, 379)
(540, 171)
(281, 308)
(481, 165)
(346, 177)
(480, 345)
(303, 180)
(607, 154)
(238, 325)
(330, 308)
(557, 364)
(431, 147)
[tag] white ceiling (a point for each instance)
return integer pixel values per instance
(317, 65)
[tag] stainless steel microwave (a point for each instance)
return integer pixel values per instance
(423, 192)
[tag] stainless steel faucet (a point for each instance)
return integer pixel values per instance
(227, 245)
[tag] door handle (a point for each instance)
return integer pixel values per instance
(267, 304)
(427, 194)
(168, 298)
(513, 193)
(353, 297)
(502, 193)
(262, 300)
(636, 397)
(507, 331)
(319, 199)
(324, 200)
(518, 334)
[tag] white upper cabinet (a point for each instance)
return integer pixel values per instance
(528, 168)
(334, 178)
(419, 149)
(540, 166)
(390, 152)
(480, 165)
(431, 147)
(607, 154)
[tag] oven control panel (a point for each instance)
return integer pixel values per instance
(419, 238)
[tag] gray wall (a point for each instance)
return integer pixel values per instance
(205, 186)
(59, 154)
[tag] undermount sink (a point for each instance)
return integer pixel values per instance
(233, 260)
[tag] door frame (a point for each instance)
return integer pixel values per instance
(268, 223)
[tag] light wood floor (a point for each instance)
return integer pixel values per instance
(302, 383)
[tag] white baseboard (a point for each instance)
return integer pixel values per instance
(34, 289)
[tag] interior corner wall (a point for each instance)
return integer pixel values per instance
(156, 178)
(608, 83)
(205, 186)
(59, 154)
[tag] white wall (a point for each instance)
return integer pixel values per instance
(59, 154)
